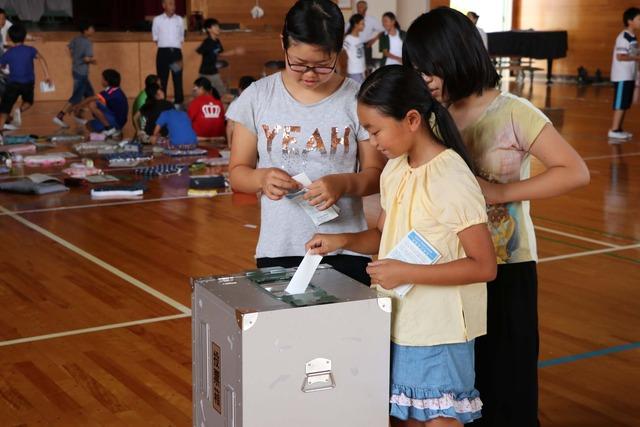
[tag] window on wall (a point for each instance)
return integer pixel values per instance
(495, 15)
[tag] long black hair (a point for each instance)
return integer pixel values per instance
(395, 90)
(353, 21)
(392, 16)
(446, 44)
(315, 22)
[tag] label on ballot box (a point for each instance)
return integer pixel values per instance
(413, 249)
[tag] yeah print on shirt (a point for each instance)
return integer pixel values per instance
(318, 139)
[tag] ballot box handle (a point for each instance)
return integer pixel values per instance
(318, 376)
(230, 406)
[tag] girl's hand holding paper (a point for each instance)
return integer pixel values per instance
(388, 273)
(325, 192)
(276, 183)
(322, 244)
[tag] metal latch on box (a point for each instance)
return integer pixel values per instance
(319, 376)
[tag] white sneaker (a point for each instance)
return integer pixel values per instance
(629, 134)
(618, 134)
(9, 126)
(109, 132)
(80, 120)
(60, 122)
(17, 117)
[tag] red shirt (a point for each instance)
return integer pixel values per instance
(207, 116)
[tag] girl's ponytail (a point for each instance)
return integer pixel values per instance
(445, 129)
(394, 90)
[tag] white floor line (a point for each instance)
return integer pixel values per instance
(588, 253)
(90, 330)
(611, 156)
(575, 236)
(124, 202)
(121, 274)
(98, 205)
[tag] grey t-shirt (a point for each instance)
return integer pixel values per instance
(80, 48)
(319, 139)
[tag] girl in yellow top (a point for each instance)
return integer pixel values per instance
(501, 132)
(428, 187)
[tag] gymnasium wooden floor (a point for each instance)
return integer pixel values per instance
(95, 296)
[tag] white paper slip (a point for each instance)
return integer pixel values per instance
(303, 274)
(47, 87)
(317, 216)
(414, 249)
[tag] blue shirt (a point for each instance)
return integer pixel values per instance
(179, 125)
(116, 101)
(20, 60)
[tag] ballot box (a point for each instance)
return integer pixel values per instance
(264, 358)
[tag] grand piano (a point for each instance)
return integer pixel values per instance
(547, 45)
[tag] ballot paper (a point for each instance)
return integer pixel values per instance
(47, 87)
(303, 274)
(317, 216)
(413, 249)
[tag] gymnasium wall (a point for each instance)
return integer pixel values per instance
(592, 26)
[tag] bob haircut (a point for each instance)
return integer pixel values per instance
(446, 44)
(315, 22)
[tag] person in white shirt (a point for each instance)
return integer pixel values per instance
(5, 24)
(474, 18)
(372, 31)
(391, 41)
(623, 71)
(354, 48)
(168, 33)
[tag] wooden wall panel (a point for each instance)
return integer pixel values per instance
(592, 25)
(238, 11)
(437, 3)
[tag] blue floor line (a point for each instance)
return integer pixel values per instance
(588, 355)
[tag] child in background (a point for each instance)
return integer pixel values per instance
(178, 124)
(244, 83)
(109, 108)
(155, 104)
(206, 111)
(81, 50)
(354, 49)
(304, 119)
(210, 49)
(501, 132)
(19, 59)
(623, 71)
(141, 99)
(426, 187)
(390, 43)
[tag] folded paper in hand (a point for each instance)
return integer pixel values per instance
(414, 249)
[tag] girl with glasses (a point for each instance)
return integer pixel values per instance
(303, 120)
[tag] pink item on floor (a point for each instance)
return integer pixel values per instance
(45, 160)
(80, 170)
(18, 148)
(97, 136)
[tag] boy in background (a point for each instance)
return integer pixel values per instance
(178, 124)
(109, 108)
(81, 50)
(210, 49)
(623, 71)
(155, 104)
(21, 81)
(206, 110)
(137, 118)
